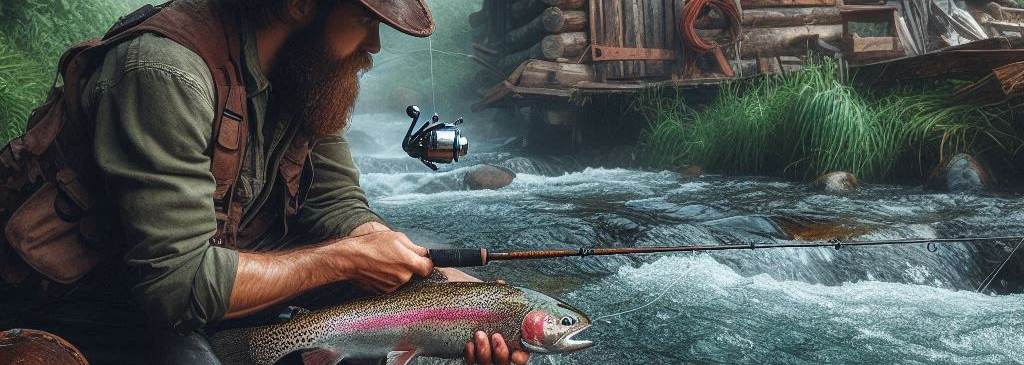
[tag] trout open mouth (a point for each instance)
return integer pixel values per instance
(567, 343)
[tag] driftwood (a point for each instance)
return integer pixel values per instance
(767, 42)
(564, 45)
(777, 17)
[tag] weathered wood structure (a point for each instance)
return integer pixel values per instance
(539, 53)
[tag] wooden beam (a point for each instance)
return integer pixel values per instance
(753, 4)
(777, 17)
(770, 42)
(537, 73)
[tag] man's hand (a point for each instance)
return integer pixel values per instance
(381, 261)
(483, 351)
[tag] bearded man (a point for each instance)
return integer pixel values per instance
(308, 239)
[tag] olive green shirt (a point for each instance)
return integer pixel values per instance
(153, 102)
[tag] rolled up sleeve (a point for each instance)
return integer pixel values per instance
(335, 204)
(153, 130)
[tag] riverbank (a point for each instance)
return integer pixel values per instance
(813, 121)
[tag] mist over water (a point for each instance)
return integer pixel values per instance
(877, 305)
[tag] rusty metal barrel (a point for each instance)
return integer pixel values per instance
(32, 347)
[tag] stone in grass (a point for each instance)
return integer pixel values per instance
(486, 176)
(961, 174)
(836, 182)
(691, 170)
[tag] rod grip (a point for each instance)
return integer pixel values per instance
(461, 257)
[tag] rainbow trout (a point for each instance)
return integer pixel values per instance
(433, 319)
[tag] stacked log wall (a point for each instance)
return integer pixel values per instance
(516, 31)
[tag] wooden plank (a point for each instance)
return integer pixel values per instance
(868, 44)
(957, 64)
(653, 35)
(543, 73)
(677, 12)
(753, 4)
(770, 42)
(633, 36)
(777, 17)
(611, 24)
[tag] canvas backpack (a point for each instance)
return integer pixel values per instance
(48, 200)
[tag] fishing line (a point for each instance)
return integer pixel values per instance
(992, 277)
(655, 300)
(433, 91)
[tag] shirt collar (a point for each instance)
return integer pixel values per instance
(256, 80)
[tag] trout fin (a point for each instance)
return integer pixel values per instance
(322, 356)
(402, 357)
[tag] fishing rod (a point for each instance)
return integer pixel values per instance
(469, 257)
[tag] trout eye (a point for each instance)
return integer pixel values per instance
(568, 321)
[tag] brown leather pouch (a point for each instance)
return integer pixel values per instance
(46, 233)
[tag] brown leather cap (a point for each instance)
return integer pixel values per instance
(411, 17)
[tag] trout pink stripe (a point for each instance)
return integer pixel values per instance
(410, 317)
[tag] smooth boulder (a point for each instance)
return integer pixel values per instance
(836, 182)
(485, 176)
(961, 174)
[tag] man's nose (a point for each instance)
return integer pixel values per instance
(372, 42)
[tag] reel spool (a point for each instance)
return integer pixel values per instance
(437, 143)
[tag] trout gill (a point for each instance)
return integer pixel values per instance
(422, 319)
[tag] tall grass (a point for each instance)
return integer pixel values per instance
(33, 35)
(811, 122)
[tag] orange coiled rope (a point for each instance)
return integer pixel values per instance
(691, 11)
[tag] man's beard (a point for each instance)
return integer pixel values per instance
(319, 90)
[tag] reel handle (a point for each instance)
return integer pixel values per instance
(461, 257)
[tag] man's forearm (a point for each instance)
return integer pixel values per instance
(266, 279)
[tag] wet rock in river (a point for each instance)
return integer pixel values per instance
(836, 182)
(961, 174)
(485, 176)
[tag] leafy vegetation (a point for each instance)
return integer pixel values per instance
(812, 121)
(33, 35)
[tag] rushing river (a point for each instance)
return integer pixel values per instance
(875, 305)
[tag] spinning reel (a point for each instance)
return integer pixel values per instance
(441, 143)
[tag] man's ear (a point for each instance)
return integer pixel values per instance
(300, 11)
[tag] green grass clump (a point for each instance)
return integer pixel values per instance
(33, 35)
(811, 122)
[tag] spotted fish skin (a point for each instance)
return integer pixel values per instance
(434, 319)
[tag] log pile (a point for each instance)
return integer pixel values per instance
(509, 33)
